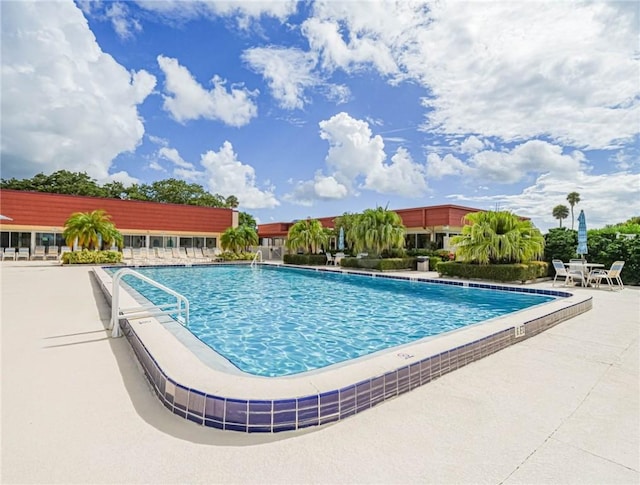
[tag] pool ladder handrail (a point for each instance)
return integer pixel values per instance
(253, 261)
(143, 311)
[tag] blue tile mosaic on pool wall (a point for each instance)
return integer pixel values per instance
(260, 416)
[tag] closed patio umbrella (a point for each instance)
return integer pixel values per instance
(341, 239)
(582, 235)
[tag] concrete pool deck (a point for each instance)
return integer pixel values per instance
(561, 407)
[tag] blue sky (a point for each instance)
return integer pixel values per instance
(318, 108)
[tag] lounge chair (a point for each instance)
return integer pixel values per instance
(178, 255)
(23, 253)
(39, 252)
(563, 272)
(9, 253)
(52, 253)
(611, 275)
(127, 256)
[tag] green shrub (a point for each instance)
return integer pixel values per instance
(387, 264)
(494, 272)
(231, 256)
(305, 259)
(92, 257)
(604, 248)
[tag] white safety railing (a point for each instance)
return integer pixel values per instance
(181, 306)
(258, 253)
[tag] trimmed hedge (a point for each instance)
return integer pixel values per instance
(386, 264)
(305, 259)
(92, 257)
(495, 272)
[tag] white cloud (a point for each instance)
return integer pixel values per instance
(322, 187)
(356, 160)
(605, 199)
(243, 12)
(508, 166)
(288, 73)
(188, 100)
(472, 144)
(509, 70)
(65, 103)
(173, 156)
(124, 25)
(402, 176)
(226, 175)
(438, 167)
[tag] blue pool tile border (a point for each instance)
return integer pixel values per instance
(278, 415)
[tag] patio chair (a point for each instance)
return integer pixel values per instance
(9, 253)
(23, 253)
(39, 252)
(563, 272)
(611, 275)
(52, 253)
(330, 259)
(178, 254)
(127, 256)
(577, 269)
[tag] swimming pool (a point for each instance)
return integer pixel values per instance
(194, 382)
(272, 321)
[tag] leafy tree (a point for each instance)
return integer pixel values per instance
(89, 228)
(307, 235)
(245, 219)
(115, 190)
(498, 237)
(560, 212)
(377, 230)
(174, 191)
(346, 221)
(560, 243)
(232, 240)
(232, 202)
(60, 182)
(573, 198)
(249, 236)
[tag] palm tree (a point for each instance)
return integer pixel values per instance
(89, 228)
(307, 235)
(498, 237)
(233, 239)
(560, 212)
(573, 198)
(249, 236)
(376, 230)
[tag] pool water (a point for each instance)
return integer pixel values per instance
(271, 321)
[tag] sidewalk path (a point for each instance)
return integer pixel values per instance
(562, 407)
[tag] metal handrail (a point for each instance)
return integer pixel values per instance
(258, 252)
(144, 310)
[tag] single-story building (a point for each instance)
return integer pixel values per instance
(37, 219)
(424, 225)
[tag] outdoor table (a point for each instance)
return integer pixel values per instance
(588, 267)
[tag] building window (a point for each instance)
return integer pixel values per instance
(45, 239)
(211, 242)
(198, 242)
(135, 241)
(156, 241)
(170, 242)
(186, 242)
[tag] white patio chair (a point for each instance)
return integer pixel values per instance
(612, 275)
(39, 252)
(52, 253)
(563, 272)
(578, 269)
(330, 259)
(9, 253)
(23, 253)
